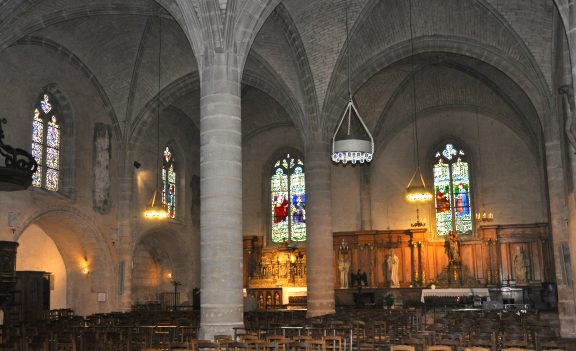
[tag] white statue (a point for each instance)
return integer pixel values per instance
(392, 263)
(521, 266)
(344, 268)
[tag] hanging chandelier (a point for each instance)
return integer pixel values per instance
(482, 216)
(352, 141)
(156, 209)
(416, 191)
(19, 166)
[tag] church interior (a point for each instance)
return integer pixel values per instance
(287, 174)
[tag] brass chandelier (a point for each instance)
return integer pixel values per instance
(156, 209)
(416, 190)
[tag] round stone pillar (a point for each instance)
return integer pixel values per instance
(221, 305)
(319, 247)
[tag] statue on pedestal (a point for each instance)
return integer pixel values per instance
(344, 268)
(453, 247)
(392, 263)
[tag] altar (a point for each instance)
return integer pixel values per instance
(459, 292)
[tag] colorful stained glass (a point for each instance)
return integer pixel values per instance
(442, 200)
(52, 158)
(288, 200)
(45, 145)
(45, 104)
(52, 179)
(37, 129)
(452, 190)
(53, 135)
(37, 152)
(37, 177)
(298, 207)
(169, 183)
(461, 186)
(279, 206)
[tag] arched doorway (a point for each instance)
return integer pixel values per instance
(38, 252)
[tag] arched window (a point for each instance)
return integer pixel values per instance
(288, 200)
(46, 144)
(169, 182)
(452, 191)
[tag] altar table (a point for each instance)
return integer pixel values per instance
(481, 292)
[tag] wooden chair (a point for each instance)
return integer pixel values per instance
(439, 348)
(267, 346)
(204, 345)
(276, 338)
(477, 348)
(182, 346)
(516, 340)
(222, 339)
(333, 343)
(316, 345)
(402, 348)
(245, 337)
(301, 338)
(297, 346)
(454, 340)
(483, 340)
(281, 342)
(236, 346)
(418, 341)
(254, 343)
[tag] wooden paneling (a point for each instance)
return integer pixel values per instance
(368, 251)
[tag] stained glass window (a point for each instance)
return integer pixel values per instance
(169, 182)
(452, 191)
(46, 144)
(288, 200)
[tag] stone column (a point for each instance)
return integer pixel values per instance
(560, 237)
(221, 196)
(319, 243)
(571, 150)
(128, 212)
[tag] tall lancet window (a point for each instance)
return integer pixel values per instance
(169, 182)
(46, 144)
(452, 191)
(288, 200)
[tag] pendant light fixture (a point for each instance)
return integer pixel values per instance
(352, 141)
(416, 190)
(157, 210)
(482, 216)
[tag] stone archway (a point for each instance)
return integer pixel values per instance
(38, 252)
(81, 246)
(156, 264)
